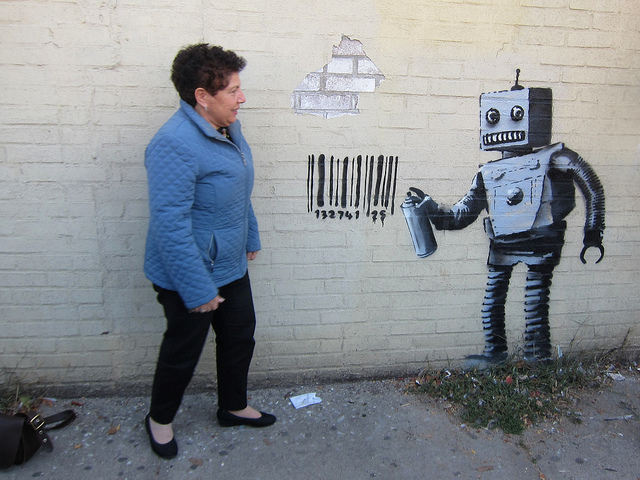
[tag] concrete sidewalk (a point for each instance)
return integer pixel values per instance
(361, 430)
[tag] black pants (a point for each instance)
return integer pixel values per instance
(234, 324)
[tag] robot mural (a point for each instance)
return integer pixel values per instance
(527, 194)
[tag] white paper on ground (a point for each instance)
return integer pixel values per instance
(305, 400)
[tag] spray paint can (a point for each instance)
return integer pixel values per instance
(420, 228)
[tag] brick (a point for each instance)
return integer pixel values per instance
(342, 65)
(595, 5)
(324, 101)
(366, 67)
(310, 83)
(350, 84)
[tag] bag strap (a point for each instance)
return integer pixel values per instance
(38, 423)
(62, 418)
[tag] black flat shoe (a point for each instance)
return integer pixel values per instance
(228, 419)
(163, 450)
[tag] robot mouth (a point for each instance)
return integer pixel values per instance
(503, 137)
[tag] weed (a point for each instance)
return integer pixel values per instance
(19, 402)
(512, 396)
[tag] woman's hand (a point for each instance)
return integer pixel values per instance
(208, 307)
(215, 303)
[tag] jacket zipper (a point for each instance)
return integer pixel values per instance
(212, 259)
(244, 160)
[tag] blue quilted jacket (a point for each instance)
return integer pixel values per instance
(201, 222)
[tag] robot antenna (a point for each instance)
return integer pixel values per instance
(517, 86)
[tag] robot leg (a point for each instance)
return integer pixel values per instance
(537, 331)
(493, 319)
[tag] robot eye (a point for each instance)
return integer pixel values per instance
(493, 116)
(517, 113)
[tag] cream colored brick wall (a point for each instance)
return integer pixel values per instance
(85, 84)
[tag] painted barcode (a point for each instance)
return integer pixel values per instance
(364, 185)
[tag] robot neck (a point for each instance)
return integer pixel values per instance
(511, 154)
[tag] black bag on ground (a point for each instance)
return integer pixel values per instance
(22, 435)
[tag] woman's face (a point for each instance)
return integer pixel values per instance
(221, 109)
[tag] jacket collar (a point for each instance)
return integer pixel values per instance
(205, 127)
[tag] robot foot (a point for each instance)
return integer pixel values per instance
(484, 362)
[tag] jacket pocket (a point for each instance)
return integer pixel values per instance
(212, 251)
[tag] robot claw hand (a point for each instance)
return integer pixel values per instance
(421, 195)
(422, 200)
(592, 238)
(586, 247)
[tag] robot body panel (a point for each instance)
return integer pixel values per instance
(515, 189)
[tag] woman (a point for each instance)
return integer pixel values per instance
(202, 231)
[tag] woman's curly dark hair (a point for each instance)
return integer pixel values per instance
(205, 66)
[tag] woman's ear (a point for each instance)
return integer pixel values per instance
(201, 97)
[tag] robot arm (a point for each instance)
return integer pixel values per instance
(460, 215)
(591, 187)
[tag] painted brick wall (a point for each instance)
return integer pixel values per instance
(86, 84)
(334, 89)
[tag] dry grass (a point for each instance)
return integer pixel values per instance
(515, 395)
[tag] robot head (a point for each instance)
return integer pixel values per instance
(516, 119)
